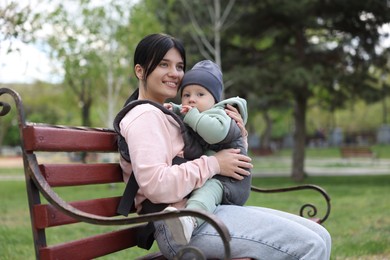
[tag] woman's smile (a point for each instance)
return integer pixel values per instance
(171, 84)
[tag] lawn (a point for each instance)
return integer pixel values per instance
(359, 221)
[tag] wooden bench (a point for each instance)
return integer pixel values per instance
(46, 179)
(262, 151)
(357, 152)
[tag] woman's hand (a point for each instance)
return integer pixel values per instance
(233, 164)
(236, 116)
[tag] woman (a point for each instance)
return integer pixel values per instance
(154, 139)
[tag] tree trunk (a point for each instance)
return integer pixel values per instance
(85, 114)
(266, 136)
(384, 108)
(298, 158)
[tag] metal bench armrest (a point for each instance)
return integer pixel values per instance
(310, 209)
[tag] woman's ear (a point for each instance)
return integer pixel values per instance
(139, 72)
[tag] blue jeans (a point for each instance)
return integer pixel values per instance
(256, 232)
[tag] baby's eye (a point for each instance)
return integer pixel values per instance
(186, 95)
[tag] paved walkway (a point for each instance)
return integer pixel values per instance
(7, 163)
(319, 171)
(326, 167)
(11, 162)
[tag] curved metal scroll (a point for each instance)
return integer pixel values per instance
(5, 107)
(309, 208)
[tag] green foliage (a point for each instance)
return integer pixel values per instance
(19, 21)
(335, 65)
(308, 50)
(9, 131)
(43, 103)
(12, 136)
(95, 45)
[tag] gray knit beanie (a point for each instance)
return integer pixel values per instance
(207, 74)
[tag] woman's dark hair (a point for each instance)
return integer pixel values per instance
(152, 49)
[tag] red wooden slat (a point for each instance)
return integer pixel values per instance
(91, 247)
(45, 138)
(49, 216)
(58, 175)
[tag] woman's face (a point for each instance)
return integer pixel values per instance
(165, 79)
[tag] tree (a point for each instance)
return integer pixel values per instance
(95, 42)
(17, 22)
(260, 95)
(311, 45)
(206, 33)
(75, 43)
(201, 24)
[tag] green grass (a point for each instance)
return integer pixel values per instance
(359, 222)
(10, 171)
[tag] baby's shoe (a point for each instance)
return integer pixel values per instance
(181, 228)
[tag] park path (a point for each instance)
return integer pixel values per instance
(326, 167)
(11, 162)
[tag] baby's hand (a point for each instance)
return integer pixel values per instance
(168, 106)
(185, 109)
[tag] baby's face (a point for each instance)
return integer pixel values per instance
(197, 96)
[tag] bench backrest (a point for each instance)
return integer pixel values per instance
(41, 138)
(356, 151)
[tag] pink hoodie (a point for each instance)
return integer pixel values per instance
(154, 139)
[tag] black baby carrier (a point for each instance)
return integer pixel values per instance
(235, 192)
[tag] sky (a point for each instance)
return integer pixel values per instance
(31, 64)
(27, 65)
